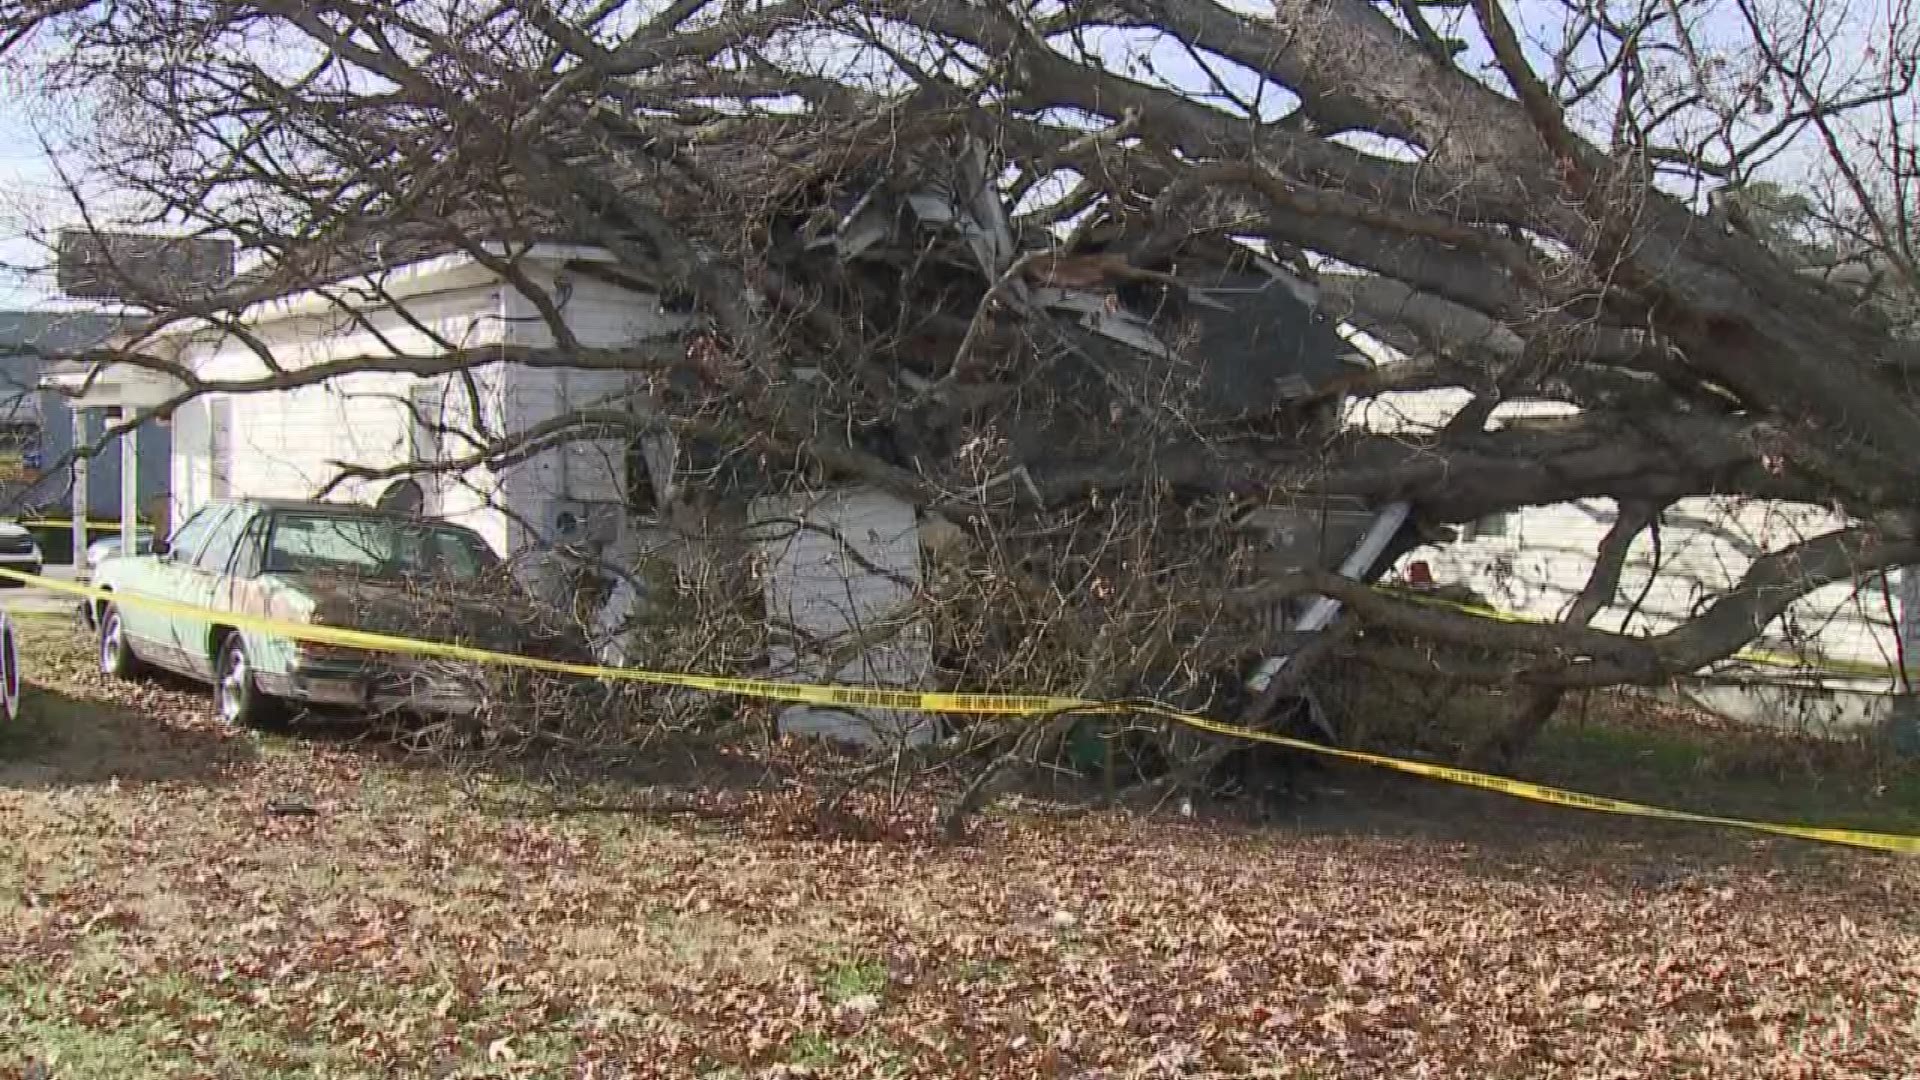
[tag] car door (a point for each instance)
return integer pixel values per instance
(204, 582)
(149, 630)
(246, 593)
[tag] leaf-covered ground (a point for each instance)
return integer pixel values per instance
(157, 919)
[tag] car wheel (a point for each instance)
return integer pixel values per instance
(116, 654)
(236, 697)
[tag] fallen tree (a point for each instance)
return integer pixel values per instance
(1552, 210)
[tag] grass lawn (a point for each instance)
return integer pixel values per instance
(1637, 748)
(158, 919)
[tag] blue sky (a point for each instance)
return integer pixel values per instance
(26, 184)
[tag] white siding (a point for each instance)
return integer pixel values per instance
(600, 314)
(1536, 560)
(819, 597)
(292, 443)
(586, 478)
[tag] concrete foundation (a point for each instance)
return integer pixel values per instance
(1833, 708)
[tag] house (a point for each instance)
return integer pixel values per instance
(1534, 561)
(37, 426)
(617, 496)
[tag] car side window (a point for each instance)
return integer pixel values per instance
(185, 543)
(217, 552)
(251, 548)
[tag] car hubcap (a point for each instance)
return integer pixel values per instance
(110, 644)
(233, 687)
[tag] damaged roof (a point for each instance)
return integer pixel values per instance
(1243, 334)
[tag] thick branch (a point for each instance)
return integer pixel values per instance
(1592, 658)
(1537, 704)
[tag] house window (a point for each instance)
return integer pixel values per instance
(643, 496)
(428, 431)
(446, 426)
(220, 446)
(446, 421)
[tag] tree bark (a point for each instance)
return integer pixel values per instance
(1502, 747)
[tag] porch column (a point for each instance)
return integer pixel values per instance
(129, 482)
(79, 495)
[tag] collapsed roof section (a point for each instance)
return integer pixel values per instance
(1236, 332)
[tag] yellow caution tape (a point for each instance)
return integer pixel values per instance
(977, 704)
(768, 689)
(1521, 789)
(67, 523)
(1811, 664)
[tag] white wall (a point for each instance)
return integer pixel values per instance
(819, 598)
(290, 443)
(1535, 561)
(586, 477)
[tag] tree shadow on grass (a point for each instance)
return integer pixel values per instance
(59, 740)
(685, 779)
(1499, 837)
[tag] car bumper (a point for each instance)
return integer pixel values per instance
(371, 688)
(388, 683)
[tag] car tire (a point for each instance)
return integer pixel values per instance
(117, 660)
(236, 697)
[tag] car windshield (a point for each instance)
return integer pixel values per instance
(373, 547)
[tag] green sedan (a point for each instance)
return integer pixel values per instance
(325, 564)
